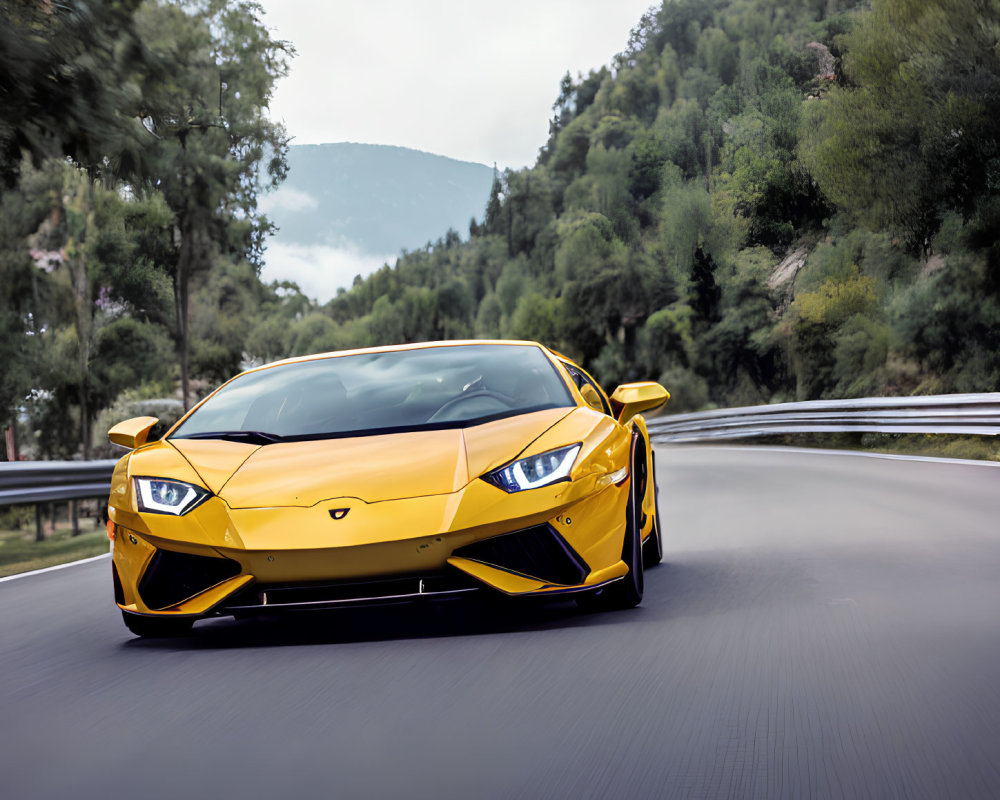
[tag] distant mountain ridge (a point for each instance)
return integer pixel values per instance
(374, 199)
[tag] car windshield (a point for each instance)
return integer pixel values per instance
(434, 387)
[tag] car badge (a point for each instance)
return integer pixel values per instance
(339, 513)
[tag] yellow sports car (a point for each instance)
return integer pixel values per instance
(385, 475)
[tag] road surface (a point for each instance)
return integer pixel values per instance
(824, 625)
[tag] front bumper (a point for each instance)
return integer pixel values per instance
(218, 561)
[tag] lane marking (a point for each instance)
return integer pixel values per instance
(819, 451)
(53, 569)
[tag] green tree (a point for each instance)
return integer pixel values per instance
(910, 134)
(215, 66)
(22, 210)
(69, 77)
(88, 241)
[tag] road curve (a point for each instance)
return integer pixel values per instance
(823, 626)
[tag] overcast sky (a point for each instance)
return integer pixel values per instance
(468, 79)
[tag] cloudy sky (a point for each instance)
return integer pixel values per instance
(468, 79)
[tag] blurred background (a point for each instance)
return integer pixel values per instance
(750, 201)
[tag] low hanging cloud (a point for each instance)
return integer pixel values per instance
(319, 270)
(285, 198)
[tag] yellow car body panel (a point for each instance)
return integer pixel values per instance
(390, 537)
(214, 461)
(132, 433)
(158, 459)
(376, 507)
(638, 397)
(512, 583)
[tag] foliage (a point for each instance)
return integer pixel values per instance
(216, 150)
(70, 74)
(755, 201)
(910, 134)
(159, 107)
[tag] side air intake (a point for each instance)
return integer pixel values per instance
(172, 578)
(538, 552)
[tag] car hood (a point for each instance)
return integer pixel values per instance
(370, 468)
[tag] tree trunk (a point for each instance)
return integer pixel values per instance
(510, 229)
(8, 450)
(184, 260)
(80, 212)
(84, 332)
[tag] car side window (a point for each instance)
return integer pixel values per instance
(591, 391)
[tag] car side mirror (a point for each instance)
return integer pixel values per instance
(132, 433)
(630, 399)
(591, 397)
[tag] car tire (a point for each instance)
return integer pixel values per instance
(157, 627)
(652, 548)
(626, 592)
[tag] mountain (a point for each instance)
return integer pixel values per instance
(347, 208)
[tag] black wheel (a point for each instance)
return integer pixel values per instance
(627, 592)
(157, 627)
(652, 548)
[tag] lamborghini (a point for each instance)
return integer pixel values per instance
(384, 475)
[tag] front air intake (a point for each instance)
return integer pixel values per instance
(172, 578)
(538, 552)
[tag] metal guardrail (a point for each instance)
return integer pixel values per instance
(34, 482)
(977, 414)
(29, 482)
(42, 482)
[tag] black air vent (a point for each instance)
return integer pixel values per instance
(539, 552)
(172, 578)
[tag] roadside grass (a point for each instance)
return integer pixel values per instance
(19, 552)
(937, 445)
(976, 448)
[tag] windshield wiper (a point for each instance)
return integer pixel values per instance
(250, 437)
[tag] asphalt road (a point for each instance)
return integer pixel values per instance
(824, 626)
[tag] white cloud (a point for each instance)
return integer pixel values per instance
(469, 79)
(285, 198)
(319, 270)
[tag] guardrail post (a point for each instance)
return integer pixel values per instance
(39, 527)
(74, 516)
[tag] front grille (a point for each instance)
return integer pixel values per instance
(264, 595)
(172, 577)
(538, 552)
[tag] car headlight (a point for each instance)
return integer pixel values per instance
(163, 496)
(535, 471)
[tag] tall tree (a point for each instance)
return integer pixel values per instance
(214, 67)
(911, 133)
(66, 84)
(90, 244)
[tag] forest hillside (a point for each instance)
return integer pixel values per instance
(756, 200)
(759, 200)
